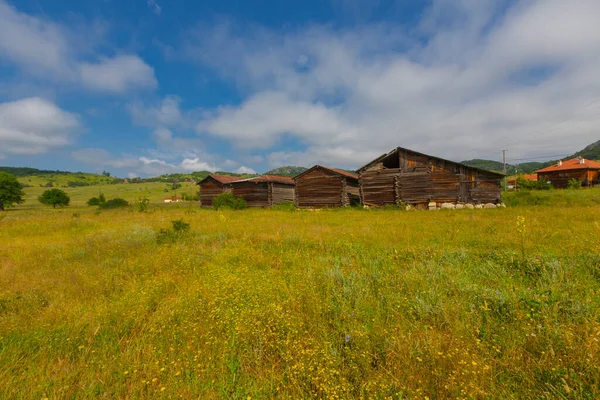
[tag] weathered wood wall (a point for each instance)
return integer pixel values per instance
(263, 194)
(281, 193)
(256, 194)
(209, 189)
(417, 179)
(319, 189)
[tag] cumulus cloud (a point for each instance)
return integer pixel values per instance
(472, 78)
(118, 74)
(34, 125)
(166, 113)
(154, 163)
(52, 51)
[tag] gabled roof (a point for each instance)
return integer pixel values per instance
(334, 170)
(383, 156)
(223, 179)
(571, 164)
(529, 177)
(268, 178)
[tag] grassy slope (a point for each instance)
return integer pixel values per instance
(271, 304)
(128, 191)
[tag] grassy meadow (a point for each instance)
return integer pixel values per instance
(341, 304)
(153, 191)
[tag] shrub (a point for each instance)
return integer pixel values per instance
(94, 201)
(178, 231)
(574, 184)
(227, 201)
(142, 205)
(114, 203)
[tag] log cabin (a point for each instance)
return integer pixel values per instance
(404, 176)
(214, 185)
(264, 191)
(559, 174)
(323, 187)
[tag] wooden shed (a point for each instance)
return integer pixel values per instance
(559, 174)
(409, 177)
(265, 191)
(214, 185)
(323, 187)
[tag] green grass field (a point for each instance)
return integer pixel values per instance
(154, 191)
(255, 304)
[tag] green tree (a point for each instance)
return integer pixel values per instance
(11, 190)
(54, 197)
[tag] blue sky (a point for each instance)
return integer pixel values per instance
(144, 87)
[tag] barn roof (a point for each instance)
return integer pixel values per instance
(383, 156)
(574, 163)
(268, 178)
(334, 170)
(223, 179)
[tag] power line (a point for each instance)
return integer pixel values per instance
(537, 158)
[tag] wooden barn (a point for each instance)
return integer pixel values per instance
(322, 187)
(410, 177)
(214, 185)
(265, 191)
(559, 174)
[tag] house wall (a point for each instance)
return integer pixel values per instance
(418, 179)
(560, 179)
(319, 189)
(281, 193)
(209, 189)
(255, 194)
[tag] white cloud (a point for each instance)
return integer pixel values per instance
(475, 77)
(54, 52)
(34, 125)
(245, 170)
(166, 114)
(118, 74)
(154, 7)
(150, 165)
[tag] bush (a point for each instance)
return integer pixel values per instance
(178, 231)
(114, 203)
(142, 205)
(574, 184)
(523, 183)
(227, 201)
(94, 201)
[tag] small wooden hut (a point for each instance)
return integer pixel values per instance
(559, 174)
(409, 177)
(323, 187)
(214, 185)
(264, 191)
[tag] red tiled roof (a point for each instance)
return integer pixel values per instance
(224, 179)
(337, 171)
(269, 178)
(570, 165)
(529, 177)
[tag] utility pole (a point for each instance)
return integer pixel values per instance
(504, 167)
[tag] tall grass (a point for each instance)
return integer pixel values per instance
(279, 304)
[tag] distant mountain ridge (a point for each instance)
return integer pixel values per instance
(590, 152)
(288, 170)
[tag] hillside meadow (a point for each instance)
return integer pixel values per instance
(341, 304)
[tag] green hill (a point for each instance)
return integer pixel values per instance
(591, 152)
(286, 171)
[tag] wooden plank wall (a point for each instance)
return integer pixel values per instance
(422, 179)
(319, 189)
(255, 194)
(281, 193)
(208, 191)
